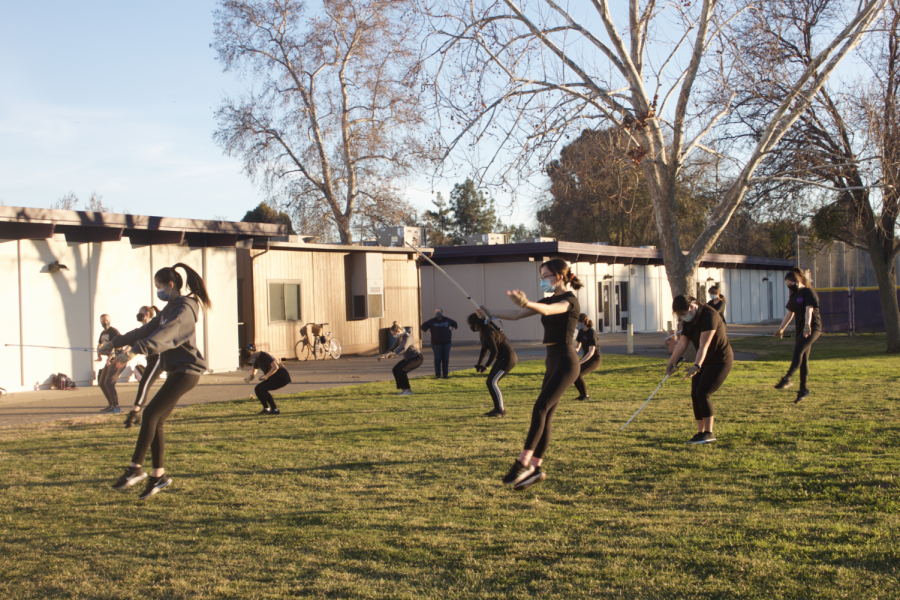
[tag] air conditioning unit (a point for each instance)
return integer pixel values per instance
(367, 285)
(485, 239)
(534, 240)
(400, 236)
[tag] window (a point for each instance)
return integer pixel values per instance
(284, 301)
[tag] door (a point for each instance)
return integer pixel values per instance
(622, 305)
(771, 300)
(605, 312)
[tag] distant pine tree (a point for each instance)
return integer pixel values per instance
(266, 214)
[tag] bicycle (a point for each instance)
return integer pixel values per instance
(317, 344)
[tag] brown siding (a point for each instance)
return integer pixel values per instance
(324, 299)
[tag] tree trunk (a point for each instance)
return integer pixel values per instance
(887, 293)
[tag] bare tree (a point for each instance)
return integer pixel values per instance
(523, 75)
(95, 204)
(333, 122)
(845, 148)
(68, 201)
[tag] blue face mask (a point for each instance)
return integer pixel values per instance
(164, 294)
(547, 287)
(579, 327)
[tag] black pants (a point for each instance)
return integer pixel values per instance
(587, 367)
(441, 358)
(403, 368)
(277, 381)
(802, 348)
(149, 375)
(503, 365)
(562, 371)
(106, 380)
(704, 384)
(156, 413)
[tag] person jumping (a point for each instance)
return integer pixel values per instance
(803, 302)
(559, 316)
(171, 335)
(496, 346)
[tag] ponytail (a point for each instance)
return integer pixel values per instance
(194, 282)
(150, 310)
(795, 274)
(715, 289)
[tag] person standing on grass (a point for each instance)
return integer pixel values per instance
(172, 336)
(106, 379)
(702, 326)
(717, 301)
(588, 342)
(804, 303)
(149, 374)
(275, 378)
(496, 346)
(441, 338)
(559, 316)
(412, 360)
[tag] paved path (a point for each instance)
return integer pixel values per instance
(53, 405)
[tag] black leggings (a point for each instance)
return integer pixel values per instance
(277, 381)
(588, 367)
(704, 384)
(503, 365)
(148, 377)
(802, 348)
(156, 413)
(107, 382)
(562, 371)
(402, 369)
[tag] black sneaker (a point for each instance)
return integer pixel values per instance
(155, 485)
(517, 473)
(108, 409)
(134, 418)
(708, 438)
(538, 476)
(264, 411)
(784, 384)
(275, 411)
(495, 413)
(801, 394)
(697, 439)
(132, 476)
(583, 398)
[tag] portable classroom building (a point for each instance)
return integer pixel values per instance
(358, 290)
(63, 269)
(621, 285)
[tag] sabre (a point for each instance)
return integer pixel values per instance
(680, 360)
(459, 287)
(673, 335)
(51, 347)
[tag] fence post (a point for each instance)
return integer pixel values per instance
(629, 339)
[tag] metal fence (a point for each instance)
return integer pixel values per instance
(851, 310)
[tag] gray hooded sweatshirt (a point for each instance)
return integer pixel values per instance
(172, 335)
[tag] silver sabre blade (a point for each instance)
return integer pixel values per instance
(680, 360)
(50, 347)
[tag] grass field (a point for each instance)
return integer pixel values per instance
(356, 493)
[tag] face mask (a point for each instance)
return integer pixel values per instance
(140, 317)
(688, 317)
(793, 287)
(546, 286)
(438, 316)
(253, 360)
(579, 327)
(104, 325)
(164, 294)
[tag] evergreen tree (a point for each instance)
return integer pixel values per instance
(439, 223)
(266, 214)
(472, 212)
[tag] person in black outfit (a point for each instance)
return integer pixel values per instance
(588, 342)
(702, 326)
(275, 378)
(803, 302)
(496, 346)
(559, 316)
(171, 335)
(109, 375)
(149, 374)
(441, 339)
(717, 301)
(412, 360)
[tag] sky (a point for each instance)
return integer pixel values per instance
(118, 98)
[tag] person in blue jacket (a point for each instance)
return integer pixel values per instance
(441, 339)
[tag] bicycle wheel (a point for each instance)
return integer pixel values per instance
(319, 351)
(334, 348)
(302, 350)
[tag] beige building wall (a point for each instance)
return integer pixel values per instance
(221, 333)
(10, 356)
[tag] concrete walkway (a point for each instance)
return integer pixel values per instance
(45, 406)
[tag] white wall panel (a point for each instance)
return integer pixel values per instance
(11, 357)
(221, 281)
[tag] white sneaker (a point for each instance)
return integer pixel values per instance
(405, 393)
